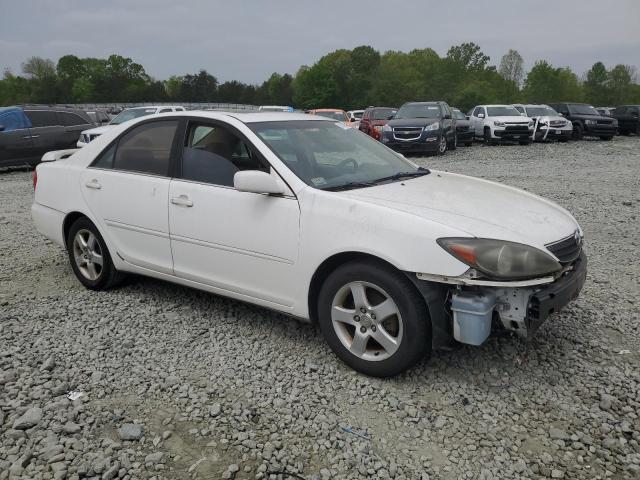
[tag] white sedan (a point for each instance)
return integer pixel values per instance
(308, 217)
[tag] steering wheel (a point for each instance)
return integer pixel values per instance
(347, 161)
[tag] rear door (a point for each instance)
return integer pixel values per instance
(127, 190)
(16, 145)
(46, 131)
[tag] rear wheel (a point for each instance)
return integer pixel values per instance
(89, 256)
(374, 319)
(454, 143)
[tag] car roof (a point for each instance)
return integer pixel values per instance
(153, 106)
(327, 110)
(253, 117)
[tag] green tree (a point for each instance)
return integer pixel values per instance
(546, 84)
(595, 84)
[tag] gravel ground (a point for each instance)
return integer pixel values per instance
(177, 383)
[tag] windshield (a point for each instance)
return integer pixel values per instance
(340, 116)
(383, 113)
(583, 110)
(459, 115)
(541, 112)
(505, 111)
(131, 114)
(329, 155)
(418, 110)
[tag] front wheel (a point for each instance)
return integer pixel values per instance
(524, 142)
(578, 132)
(487, 137)
(374, 319)
(89, 256)
(442, 145)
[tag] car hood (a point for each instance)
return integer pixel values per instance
(512, 119)
(551, 118)
(98, 130)
(477, 207)
(412, 122)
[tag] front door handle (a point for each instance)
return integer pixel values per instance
(35, 136)
(94, 184)
(182, 201)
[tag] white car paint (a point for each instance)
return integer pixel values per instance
(481, 118)
(265, 249)
(547, 123)
(89, 135)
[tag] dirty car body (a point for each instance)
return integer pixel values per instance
(316, 220)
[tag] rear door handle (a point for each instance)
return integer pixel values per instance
(94, 184)
(182, 201)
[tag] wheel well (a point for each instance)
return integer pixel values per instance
(68, 221)
(328, 266)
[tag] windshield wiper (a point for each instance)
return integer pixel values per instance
(348, 186)
(417, 173)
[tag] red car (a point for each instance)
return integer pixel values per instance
(374, 118)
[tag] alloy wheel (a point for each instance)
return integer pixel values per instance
(88, 254)
(367, 321)
(442, 147)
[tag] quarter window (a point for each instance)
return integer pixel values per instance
(42, 118)
(146, 148)
(213, 154)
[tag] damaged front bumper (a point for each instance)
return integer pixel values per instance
(520, 306)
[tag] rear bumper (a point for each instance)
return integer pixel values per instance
(48, 222)
(554, 297)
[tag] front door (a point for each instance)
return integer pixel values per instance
(238, 242)
(127, 190)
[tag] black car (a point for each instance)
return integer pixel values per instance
(587, 121)
(628, 117)
(421, 127)
(464, 132)
(27, 132)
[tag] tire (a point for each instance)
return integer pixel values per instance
(487, 137)
(578, 132)
(407, 322)
(84, 246)
(606, 138)
(454, 144)
(442, 145)
(468, 144)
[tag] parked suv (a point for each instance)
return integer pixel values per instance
(27, 132)
(549, 125)
(586, 120)
(374, 118)
(628, 119)
(128, 114)
(421, 127)
(463, 128)
(494, 123)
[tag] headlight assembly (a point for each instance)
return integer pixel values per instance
(498, 123)
(433, 126)
(590, 122)
(501, 260)
(531, 124)
(386, 128)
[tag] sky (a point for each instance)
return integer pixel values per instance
(247, 40)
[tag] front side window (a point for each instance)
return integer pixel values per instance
(329, 155)
(11, 121)
(459, 115)
(417, 110)
(42, 118)
(213, 154)
(340, 116)
(146, 148)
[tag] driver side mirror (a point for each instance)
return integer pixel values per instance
(390, 117)
(255, 181)
(481, 115)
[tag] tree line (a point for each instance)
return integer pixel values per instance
(344, 78)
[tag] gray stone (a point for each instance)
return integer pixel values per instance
(29, 419)
(130, 431)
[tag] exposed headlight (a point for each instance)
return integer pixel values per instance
(433, 126)
(386, 128)
(498, 123)
(615, 122)
(499, 259)
(378, 128)
(590, 122)
(531, 124)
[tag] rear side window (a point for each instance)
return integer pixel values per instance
(69, 119)
(42, 118)
(144, 149)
